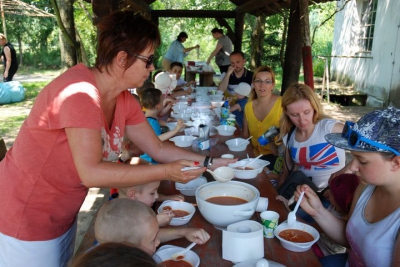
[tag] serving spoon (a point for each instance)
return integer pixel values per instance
(222, 174)
(181, 254)
(291, 219)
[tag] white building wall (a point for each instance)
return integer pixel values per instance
(376, 73)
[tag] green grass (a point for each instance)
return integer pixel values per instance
(12, 124)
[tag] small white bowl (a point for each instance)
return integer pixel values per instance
(225, 130)
(183, 140)
(246, 174)
(233, 144)
(164, 253)
(189, 189)
(178, 205)
(217, 104)
(293, 246)
(217, 97)
(227, 156)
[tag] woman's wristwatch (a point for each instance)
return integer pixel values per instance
(208, 162)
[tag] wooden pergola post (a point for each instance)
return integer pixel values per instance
(306, 49)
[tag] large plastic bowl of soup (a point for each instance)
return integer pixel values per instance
(298, 238)
(164, 253)
(222, 204)
(183, 211)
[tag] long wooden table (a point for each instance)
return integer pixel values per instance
(211, 253)
(206, 77)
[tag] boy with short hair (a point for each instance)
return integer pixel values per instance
(177, 68)
(126, 220)
(152, 99)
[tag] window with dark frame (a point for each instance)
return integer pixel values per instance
(367, 26)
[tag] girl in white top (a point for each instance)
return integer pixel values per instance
(372, 231)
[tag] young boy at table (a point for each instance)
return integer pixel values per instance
(242, 91)
(131, 221)
(177, 68)
(152, 100)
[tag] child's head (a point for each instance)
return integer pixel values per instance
(152, 99)
(242, 90)
(377, 131)
(126, 220)
(114, 254)
(342, 189)
(146, 193)
(176, 68)
(144, 87)
(130, 147)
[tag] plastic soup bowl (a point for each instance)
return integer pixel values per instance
(183, 140)
(233, 144)
(294, 246)
(178, 205)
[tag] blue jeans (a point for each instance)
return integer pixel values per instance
(336, 260)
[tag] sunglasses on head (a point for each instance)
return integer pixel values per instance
(354, 139)
(147, 60)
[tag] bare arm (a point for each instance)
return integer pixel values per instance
(334, 227)
(192, 234)
(236, 107)
(169, 134)
(86, 149)
(185, 50)
(216, 50)
(223, 86)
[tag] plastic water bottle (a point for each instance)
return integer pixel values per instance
(268, 135)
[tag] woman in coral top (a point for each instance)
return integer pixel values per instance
(262, 111)
(72, 139)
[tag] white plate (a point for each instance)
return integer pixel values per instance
(252, 263)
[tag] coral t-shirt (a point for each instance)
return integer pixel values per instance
(41, 190)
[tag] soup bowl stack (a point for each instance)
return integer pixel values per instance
(237, 202)
(297, 246)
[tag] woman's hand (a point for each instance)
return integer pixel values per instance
(173, 170)
(218, 162)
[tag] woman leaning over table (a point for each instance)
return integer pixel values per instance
(69, 140)
(262, 111)
(176, 51)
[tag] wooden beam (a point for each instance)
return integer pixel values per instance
(252, 5)
(139, 5)
(239, 23)
(194, 13)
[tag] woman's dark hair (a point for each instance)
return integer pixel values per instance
(221, 31)
(150, 98)
(114, 254)
(124, 31)
(181, 35)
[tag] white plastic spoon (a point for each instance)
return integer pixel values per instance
(291, 219)
(181, 254)
(251, 161)
(241, 143)
(222, 174)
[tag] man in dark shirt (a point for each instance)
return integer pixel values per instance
(236, 73)
(9, 57)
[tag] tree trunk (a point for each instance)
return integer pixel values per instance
(257, 42)
(284, 36)
(69, 47)
(291, 69)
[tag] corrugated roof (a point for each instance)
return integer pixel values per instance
(17, 7)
